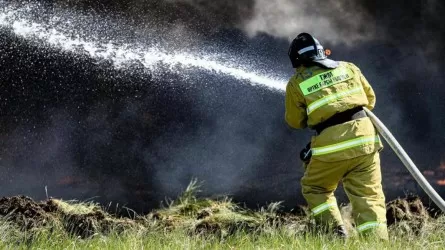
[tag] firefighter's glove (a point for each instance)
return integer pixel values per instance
(306, 153)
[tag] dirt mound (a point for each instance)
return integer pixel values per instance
(409, 211)
(25, 212)
(223, 218)
(82, 220)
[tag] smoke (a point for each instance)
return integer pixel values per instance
(182, 20)
(135, 134)
(229, 145)
(334, 21)
(182, 23)
(139, 131)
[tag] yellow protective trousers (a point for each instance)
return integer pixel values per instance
(361, 178)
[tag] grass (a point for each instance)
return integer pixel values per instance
(179, 239)
(192, 223)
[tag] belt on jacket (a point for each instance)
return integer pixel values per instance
(339, 118)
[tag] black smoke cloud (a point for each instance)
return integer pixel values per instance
(412, 55)
(86, 129)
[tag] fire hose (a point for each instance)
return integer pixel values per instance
(406, 160)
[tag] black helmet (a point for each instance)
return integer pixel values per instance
(306, 49)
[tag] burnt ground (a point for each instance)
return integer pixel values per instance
(29, 215)
(87, 220)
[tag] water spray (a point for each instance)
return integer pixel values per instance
(153, 57)
(406, 160)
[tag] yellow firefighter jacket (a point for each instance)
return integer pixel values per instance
(314, 94)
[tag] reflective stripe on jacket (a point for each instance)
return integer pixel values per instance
(314, 94)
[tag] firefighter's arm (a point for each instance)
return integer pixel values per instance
(366, 87)
(369, 92)
(295, 114)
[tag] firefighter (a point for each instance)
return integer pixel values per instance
(328, 97)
